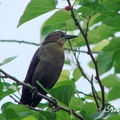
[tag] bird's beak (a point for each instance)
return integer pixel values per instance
(70, 36)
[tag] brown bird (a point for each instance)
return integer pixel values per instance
(45, 67)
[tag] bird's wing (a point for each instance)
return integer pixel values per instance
(26, 97)
(35, 60)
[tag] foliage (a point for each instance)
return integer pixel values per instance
(99, 20)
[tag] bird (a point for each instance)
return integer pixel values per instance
(45, 67)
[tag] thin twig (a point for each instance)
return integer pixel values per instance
(91, 55)
(36, 44)
(32, 108)
(58, 107)
(78, 64)
(22, 83)
(81, 70)
(93, 92)
(88, 95)
(20, 41)
(14, 99)
(87, 25)
(79, 51)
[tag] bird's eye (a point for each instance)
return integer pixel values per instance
(60, 34)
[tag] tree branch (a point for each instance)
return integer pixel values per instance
(32, 108)
(93, 92)
(89, 95)
(57, 106)
(87, 25)
(36, 44)
(81, 70)
(79, 51)
(78, 64)
(91, 55)
(20, 41)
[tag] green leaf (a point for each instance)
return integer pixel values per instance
(7, 89)
(90, 108)
(5, 105)
(65, 75)
(10, 114)
(86, 11)
(61, 115)
(116, 24)
(89, 97)
(1, 85)
(48, 115)
(115, 117)
(63, 94)
(63, 91)
(36, 8)
(65, 82)
(98, 17)
(6, 93)
(6, 85)
(97, 34)
(113, 5)
(111, 81)
(114, 94)
(76, 74)
(116, 57)
(75, 103)
(104, 61)
(117, 68)
(67, 62)
(56, 22)
(103, 115)
(32, 117)
(7, 60)
(19, 109)
(85, 115)
(42, 105)
(99, 8)
(1, 117)
(113, 45)
(91, 64)
(99, 46)
(92, 7)
(111, 21)
(22, 111)
(83, 2)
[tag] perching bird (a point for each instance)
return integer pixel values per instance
(45, 67)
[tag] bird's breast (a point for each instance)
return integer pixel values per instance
(53, 59)
(50, 65)
(52, 53)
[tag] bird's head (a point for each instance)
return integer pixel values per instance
(58, 36)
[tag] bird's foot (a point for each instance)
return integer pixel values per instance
(53, 105)
(53, 102)
(34, 92)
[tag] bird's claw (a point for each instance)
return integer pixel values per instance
(34, 92)
(53, 103)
